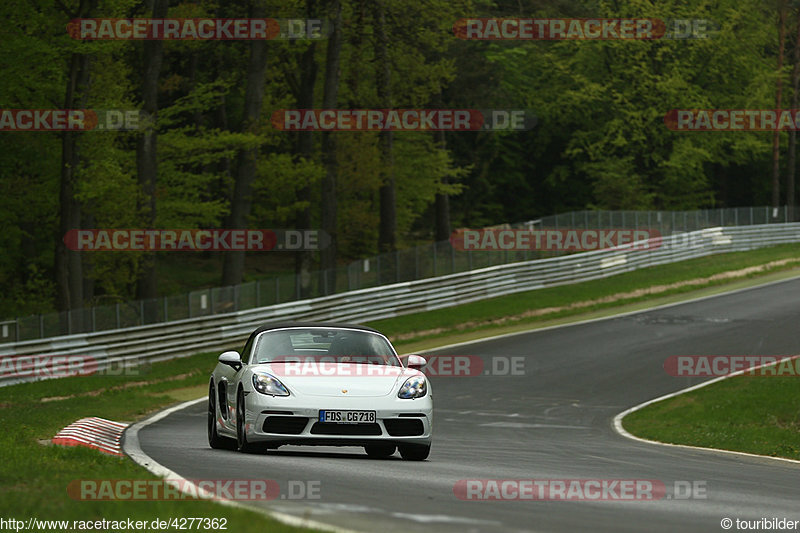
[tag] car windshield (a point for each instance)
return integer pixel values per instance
(324, 345)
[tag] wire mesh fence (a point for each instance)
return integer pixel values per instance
(420, 262)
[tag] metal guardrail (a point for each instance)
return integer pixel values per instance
(422, 261)
(168, 340)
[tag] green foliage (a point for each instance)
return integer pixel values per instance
(600, 141)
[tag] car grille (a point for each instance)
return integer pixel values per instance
(403, 428)
(287, 425)
(330, 428)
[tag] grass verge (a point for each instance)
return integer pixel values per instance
(35, 476)
(753, 414)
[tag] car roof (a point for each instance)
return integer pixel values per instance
(284, 325)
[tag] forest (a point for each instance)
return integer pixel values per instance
(207, 151)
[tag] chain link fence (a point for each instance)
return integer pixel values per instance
(420, 262)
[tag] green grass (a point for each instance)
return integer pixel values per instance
(752, 414)
(35, 477)
(479, 315)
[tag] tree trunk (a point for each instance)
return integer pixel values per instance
(147, 164)
(442, 204)
(776, 138)
(68, 265)
(241, 201)
(790, 193)
(305, 150)
(387, 229)
(329, 206)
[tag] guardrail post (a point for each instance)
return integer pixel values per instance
(452, 260)
(349, 277)
(69, 322)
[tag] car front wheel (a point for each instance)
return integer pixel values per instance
(241, 436)
(214, 439)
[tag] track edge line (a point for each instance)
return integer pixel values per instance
(132, 448)
(617, 421)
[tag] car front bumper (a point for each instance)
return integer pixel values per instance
(293, 420)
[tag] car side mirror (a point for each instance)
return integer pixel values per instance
(232, 359)
(416, 362)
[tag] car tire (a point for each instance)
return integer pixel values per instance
(241, 437)
(415, 452)
(380, 451)
(214, 439)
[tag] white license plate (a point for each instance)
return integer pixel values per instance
(347, 417)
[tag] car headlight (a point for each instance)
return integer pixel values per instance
(269, 384)
(414, 387)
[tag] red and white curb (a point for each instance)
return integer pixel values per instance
(93, 432)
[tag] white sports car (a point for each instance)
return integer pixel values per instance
(320, 384)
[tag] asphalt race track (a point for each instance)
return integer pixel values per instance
(554, 422)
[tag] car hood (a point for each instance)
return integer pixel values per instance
(333, 379)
